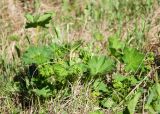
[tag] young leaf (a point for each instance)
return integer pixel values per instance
(115, 43)
(132, 103)
(38, 20)
(29, 18)
(133, 59)
(44, 17)
(100, 65)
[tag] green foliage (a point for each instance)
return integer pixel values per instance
(116, 47)
(99, 85)
(56, 69)
(110, 94)
(100, 65)
(61, 72)
(51, 70)
(123, 82)
(46, 70)
(107, 103)
(133, 59)
(38, 20)
(133, 102)
(153, 102)
(29, 18)
(37, 55)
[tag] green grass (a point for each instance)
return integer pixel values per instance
(79, 57)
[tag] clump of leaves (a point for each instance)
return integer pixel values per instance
(110, 94)
(131, 57)
(51, 69)
(38, 20)
(57, 66)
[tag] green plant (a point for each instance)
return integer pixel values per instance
(34, 21)
(116, 47)
(133, 59)
(55, 67)
(100, 65)
(153, 101)
(133, 102)
(120, 77)
(37, 55)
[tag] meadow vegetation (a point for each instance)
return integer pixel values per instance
(79, 56)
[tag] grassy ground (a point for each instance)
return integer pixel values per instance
(135, 22)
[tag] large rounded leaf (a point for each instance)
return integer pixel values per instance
(100, 65)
